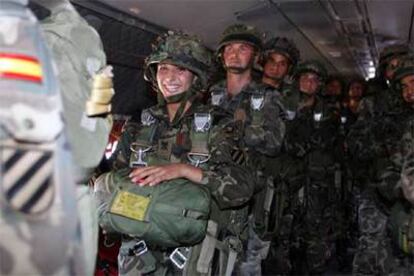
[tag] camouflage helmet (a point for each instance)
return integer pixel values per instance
(283, 46)
(312, 66)
(240, 33)
(393, 51)
(405, 68)
(182, 50)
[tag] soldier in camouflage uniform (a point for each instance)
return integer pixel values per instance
(280, 56)
(274, 219)
(310, 136)
(370, 144)
(395, 176)
(178, 68)
(333, 93)
(257, 110)
(380, 96)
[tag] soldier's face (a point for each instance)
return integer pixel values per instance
(173, 80)
(334, 88)
(309, 83)
(355, 90)
(407, 85)
(238, 57)
(391, 67)
(276, 66)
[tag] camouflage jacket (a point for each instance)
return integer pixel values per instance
(263, 127)
(373, 136)
(378, 102)
(312, 128)
(229, 184)
(398, 145)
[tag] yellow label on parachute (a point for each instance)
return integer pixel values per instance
(130, 205)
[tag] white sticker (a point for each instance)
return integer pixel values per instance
(9, 29)
(92, 65)
(88, 123)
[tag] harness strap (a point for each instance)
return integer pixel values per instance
(200, 153)
(207, 248)
(133, 257)
(178, 211)
(199, 142)
(231, 260)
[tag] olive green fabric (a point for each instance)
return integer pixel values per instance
(176, 215)
(78, 53)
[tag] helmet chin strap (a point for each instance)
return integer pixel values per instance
(183, 98)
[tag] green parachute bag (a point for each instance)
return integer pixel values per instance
(402, 227)
(170, 214)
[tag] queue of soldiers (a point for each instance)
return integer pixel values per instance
(283, 170)
(303, 169)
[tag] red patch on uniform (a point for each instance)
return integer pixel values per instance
(180, 139)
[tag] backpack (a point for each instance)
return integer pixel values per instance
(170, 214)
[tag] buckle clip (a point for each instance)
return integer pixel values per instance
(179, 256)
(197, 158)
(139, 248)
(140, 152)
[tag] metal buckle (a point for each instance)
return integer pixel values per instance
(141, 155)
(202, 122)
(139, 248)
(217, 98)
(256, 102)
(146, 118)
(197, 158)
(290, 115)
(179, 256)
(317, 116)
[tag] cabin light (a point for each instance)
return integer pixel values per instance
(371, 69)
(371, 63)
(371, 75)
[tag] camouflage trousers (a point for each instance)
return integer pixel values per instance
(257, 250)
(278, 261)
(374, 252)
(314, 231)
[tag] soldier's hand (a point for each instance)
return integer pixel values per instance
(154, 175)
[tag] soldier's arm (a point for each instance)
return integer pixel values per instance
(120, 157)
(389, 183)
(407, 177)
(230, 184)
(297, 135)
(267, 136)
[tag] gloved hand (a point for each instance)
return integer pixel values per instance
(99, 104)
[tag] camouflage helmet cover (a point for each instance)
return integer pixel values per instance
(405, 68)
(393, 51)
(182, 50)
(283, 46)
(313, 66)
(240, 33)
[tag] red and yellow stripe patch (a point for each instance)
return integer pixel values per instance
(20, 67)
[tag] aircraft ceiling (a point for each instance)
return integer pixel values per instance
(346, 35)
